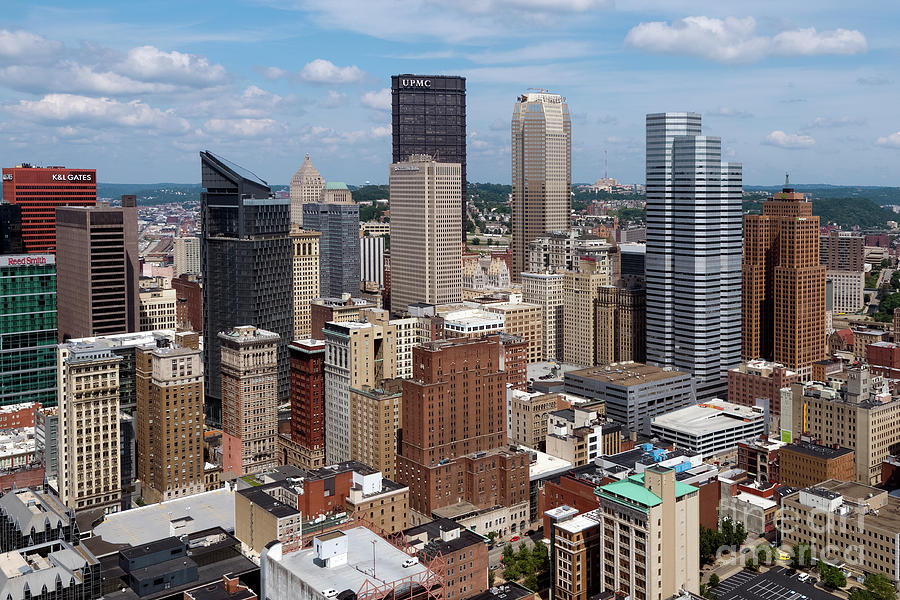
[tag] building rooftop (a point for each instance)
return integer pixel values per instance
(826, 452)
(506, 591)
(42, 565)
(29, 509)
(579, 523)
(442, 536)
(763, 368)
(335, 185)
(172, 517)
(549, 370)
(544, 465)
(362, 557)
(627, 373)
(707, 417)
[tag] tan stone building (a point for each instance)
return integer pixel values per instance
(853, 417)
(306, 278)
(306, 186)
(621, 324)
(169, 415)
(528, 416)
(546, 290)
(158, 309)
(265, 513)
(375, 417)
(249, 399)
(525, 321)
(383, 506)
(541, 171)
(862, 337)
(356, 355)
(426, 256)
(845, 523)
(580, 293)
(642, 542)
(90, 473)
(802, 464)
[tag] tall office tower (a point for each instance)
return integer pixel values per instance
(843, 254)
(11, 229)
(40, 192)
(453, 444)
(620, 322)
(186, 256)
(249, 398)
(371, 259)
(338, 221)
(561, 251)
(547, 290)
(428, 116)
(426, 256)
(89, 451)
(541, 171)
(27, 329)
(784, 285)
(245, 254)
(97, 270)
(306, 186)
(580, 293)
(375, 420)
(308, 401)
(356, 355)
(169, 422)
(306, 277)
(693, 277)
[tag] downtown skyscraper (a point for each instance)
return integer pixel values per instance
(693, 252)
(428, 116)
(784, 284)
(541, 171)
(245, 255)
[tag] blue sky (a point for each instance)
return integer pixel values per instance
(136, 89)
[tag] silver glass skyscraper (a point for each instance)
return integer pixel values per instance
(693, 264)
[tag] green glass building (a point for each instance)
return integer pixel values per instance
(27, 329)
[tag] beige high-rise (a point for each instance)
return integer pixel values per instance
(541, 171)
(375, 419)
(546, 290)
(306, 186)
(158, 309)
(620, 324)
(249, 399)
(306, 277)
(580, 294)
(186, 256)
(90, 473)
(426, 256)
(169, 387)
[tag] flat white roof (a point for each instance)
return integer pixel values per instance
(708, 417)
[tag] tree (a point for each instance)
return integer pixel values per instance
(491, 576)
(802, 556)
(492, 535)
(713, 580)
(511, 572)
(885, 263)
(509, 555)
(858, 593)
(880, 587)
(832, 576)
(764, 555)
(740, 535)
(475, 241)
(751, 563)
(895, 280)
(727, 529)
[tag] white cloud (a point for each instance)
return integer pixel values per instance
(380, 132)
(380, 100)
(148, 63)
(789, 140)
(26, 46)
(727, 111)
(545, 51)
(835, 122)
(541, 6)
(334, 99)
(71, 108)
(892, 140)
(735, 40)
(325, 71)
(873, 80)
(244, 127)
(272, 73)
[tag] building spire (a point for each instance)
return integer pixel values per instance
(787, 180)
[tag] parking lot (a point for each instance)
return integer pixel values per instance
(775, 584)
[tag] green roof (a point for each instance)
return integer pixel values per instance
(630, 491)
(336, 185)
(681, 489)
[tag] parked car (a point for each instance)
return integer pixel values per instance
(514, 538)
(410, 562)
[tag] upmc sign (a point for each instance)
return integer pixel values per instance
(423, 83)
(72, 176)
(27, 260)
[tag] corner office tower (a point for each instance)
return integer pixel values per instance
(541, 171)
(693, 252)
(245, 255)
(428, 116)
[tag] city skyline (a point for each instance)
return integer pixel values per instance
(805, 87)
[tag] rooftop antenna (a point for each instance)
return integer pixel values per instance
(787, 180)
(605, 166)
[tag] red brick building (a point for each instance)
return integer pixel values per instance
(760, 459)
(15, 416)
(308, 401)
(759, 379)
(39, 191)
(462, 548)
(189, 307)
(453, 441)
(884, 359)
(568, 491)
(515, 359)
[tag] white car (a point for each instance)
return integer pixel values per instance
(803, 576)
(410, 562)
(329, 593)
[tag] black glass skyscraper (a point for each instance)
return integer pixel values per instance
(11, 229)
(428, 116)
(245, 256)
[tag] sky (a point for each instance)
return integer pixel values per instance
(137, 89)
